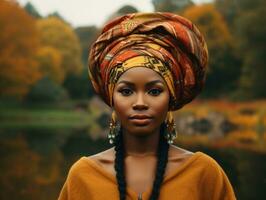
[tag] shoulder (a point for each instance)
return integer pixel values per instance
(199, 163)
(210, 165)
(104, 156)
(84, 163)
(87, 167)
(175, 152)
(206, 167)
(212, 174)
(78, 182)
(78, 168)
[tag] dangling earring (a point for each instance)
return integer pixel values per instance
(112, 131)
(170, 127)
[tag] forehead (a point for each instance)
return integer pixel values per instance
(140, 74)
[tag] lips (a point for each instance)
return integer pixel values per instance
(141, 120)
(140, 117)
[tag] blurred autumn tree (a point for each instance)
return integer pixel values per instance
(18, 43)
(56, 34)
(50, 63)
(247, 22)
(224, 69)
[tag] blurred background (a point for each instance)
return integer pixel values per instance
(50, 116)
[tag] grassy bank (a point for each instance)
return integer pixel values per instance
(14, 115)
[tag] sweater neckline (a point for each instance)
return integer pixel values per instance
(147, 193)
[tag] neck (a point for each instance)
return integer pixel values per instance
(141, 145)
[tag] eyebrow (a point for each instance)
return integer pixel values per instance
(147, 84)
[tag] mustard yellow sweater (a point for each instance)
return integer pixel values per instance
(199, 178)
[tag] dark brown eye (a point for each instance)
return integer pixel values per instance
(155, 92)
(125, 92)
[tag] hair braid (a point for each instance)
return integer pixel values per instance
(119, 165)
(162, 154)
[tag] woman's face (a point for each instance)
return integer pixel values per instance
(141, 93)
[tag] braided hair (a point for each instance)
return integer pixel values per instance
(162, 154)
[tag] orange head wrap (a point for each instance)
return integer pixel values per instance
(167, 43)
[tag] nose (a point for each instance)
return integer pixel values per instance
(140, 103)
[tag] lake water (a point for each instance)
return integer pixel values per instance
(35, 162)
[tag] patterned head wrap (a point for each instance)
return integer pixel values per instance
(169, 44)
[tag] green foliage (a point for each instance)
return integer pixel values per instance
(32, 10)
(127, 9)
(58, 16)
(228, 9)
(247, 23)
(103, 120)
(87, 35)
(46, 91)
(78, 86)
(171, 5)
(122, 11)
(250, 34)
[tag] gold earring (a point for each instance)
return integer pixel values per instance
(170, 126)
(112, 128)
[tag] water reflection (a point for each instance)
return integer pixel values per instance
(35, 162)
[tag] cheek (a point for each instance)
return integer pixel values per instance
(121, 105)
(161, 103)
(160, 107)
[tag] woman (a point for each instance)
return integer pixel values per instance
(145, 66)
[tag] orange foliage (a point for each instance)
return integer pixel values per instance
(50, 63)
(57, 34)
(210, 23)
(18, 42)
(244, 120)
(250, 116)
(246, 136)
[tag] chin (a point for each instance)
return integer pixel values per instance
(141, 131)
